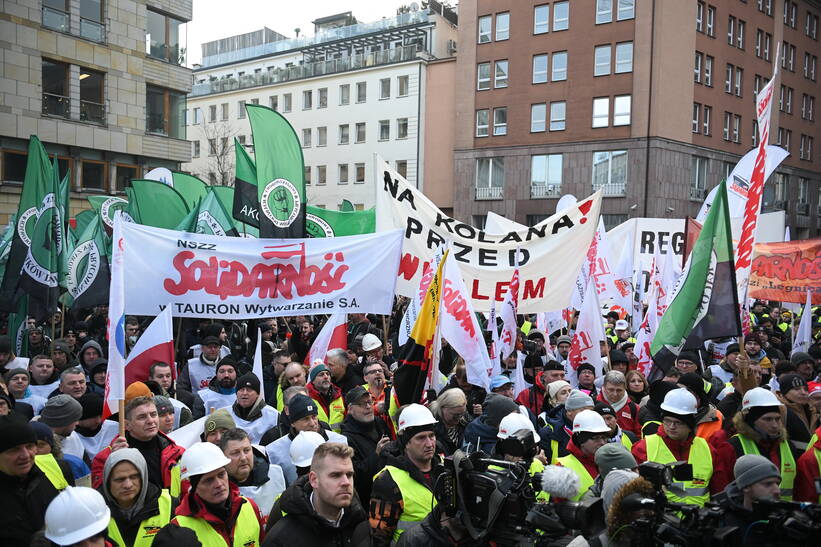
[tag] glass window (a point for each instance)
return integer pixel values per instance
(561, 15)
(402, 128)
(539, 69)
(403, 83)
(484, 29)
(490, 172)
(541, 19)
(321, 136)
(602, 61)
(483, 76)
(610, 172)
(163, 37)
(321, 174)
(604, 11)
(307, 99)
(91, 20)
(92, 101)
(93, 175)
(500, 121)
(241, 110)
(385, 88)
(708, 113)
(343, 173)
(624, 57)
(306, 137)
(307, 175)
(537, 117)
(165, 112)
(56, 100)
(361, 92)
(546, 170)
(273, 102)
(14, 166)
(384, 130)
(627, 9)
(344, 94)
(559, 72)
(601, 111)
(360, 172)
(401, 168)
(344, 134)
(558, 113)
(502, 26)
(125, 173)
(55, 15)
(286, 102)
(482, 122)
(323, 97)
(696, 118)
(621, 110)
(360, 132)
(708, 71)
(500, 77)
(195, 149)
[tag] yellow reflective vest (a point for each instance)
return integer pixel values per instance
(788, 466)
(51, 469)
(337, 414)
(585, 479)
(246, 529)
(280, 402)
(148, 528)
(417, 499)
(700, 458)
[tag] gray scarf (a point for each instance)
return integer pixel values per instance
(133, 456)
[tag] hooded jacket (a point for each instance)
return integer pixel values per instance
(556, 430)
(255, 420)
(303, 526)
(801, 419)
(145, 506)
(89, 344)
(808, 472)
(770, 449)
(193, 506)
(166, 451)
(735, 514)
(534, 396)
(322, 399)
(363, 438)
(264, 484)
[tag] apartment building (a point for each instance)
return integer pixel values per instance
(102, 84)
(653, 102)
(350, 91)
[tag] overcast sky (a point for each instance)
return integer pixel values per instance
(215, 19)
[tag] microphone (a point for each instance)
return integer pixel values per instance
(560, 482)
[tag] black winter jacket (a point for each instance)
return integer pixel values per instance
(363, 438)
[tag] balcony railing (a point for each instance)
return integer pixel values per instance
(613, 189)
(307, 70)
(697, 193)
(493, 192)
(545, 190)
(56, 105)
(55, 19)
(802, 208)
(92, 112)
(92, 30)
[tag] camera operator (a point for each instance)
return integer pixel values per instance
(589, 434)
(756, 478)
(676, 441)
(518, 443)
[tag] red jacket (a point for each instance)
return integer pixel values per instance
(169, 457)
(192, 506)
(681, 452)
(808, 471)
(588, 462)
(533, 397)
(320, 397)
(627, 417)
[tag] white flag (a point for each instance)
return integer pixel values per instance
(458, 325)
(646, 332)
(115, 374)
(585, 345)
(494, 339)
(803, 337)
(415, 304)
(258, 362)
(507, 340)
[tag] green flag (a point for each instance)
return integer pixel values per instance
(280, 174)
(5, 243)
(106, 207)
(209, 217)
(17, 328)
(155, 204)
(226, 196)
(704, 304)
(191, 188)
(37, 184)
(62, 227)
(326, 223)
(82, 219)
(347, 206)
(88, 268)
(245, 207)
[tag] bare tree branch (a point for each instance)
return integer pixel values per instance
(219, 137)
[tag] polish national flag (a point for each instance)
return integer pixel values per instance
(155, 345)
(114, 378)
(334, 334)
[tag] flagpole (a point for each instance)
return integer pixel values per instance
(63, 320)
(385, 333)
(121, 416)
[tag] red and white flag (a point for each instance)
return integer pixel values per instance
(746, 242)
(458, 325)
(115, 374)
(156, 345)
(415, 303)
(647, 330)
(257, 370)
(585, 346)
(334, 334)
(507, 340)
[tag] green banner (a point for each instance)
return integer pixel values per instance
(155, 204)
(326, 223)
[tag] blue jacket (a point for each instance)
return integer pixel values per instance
(555, 431)
(479, 435)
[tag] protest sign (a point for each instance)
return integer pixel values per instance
(236, 278)
(784, 271)
(549, 254)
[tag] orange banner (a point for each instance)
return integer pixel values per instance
(784, 271)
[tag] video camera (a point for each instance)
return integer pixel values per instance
(791, 521)
(495, 501)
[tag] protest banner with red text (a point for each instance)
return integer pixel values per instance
(784, 271)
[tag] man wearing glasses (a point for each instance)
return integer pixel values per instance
(676, 440)
(590, 433)
(366, 435)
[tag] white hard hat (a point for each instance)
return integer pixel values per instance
(759, 397)
(370, 342)
(622, 324)
(303, 446)
(76, 514)
(513, 422)
(589, 421)
(680, 401)
(201, 458)
(415, 415)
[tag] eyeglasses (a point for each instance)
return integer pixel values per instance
(675, 424)
(373, 371)
(601, 438)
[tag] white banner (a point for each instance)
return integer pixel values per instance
(550, 253)
(238, 278)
